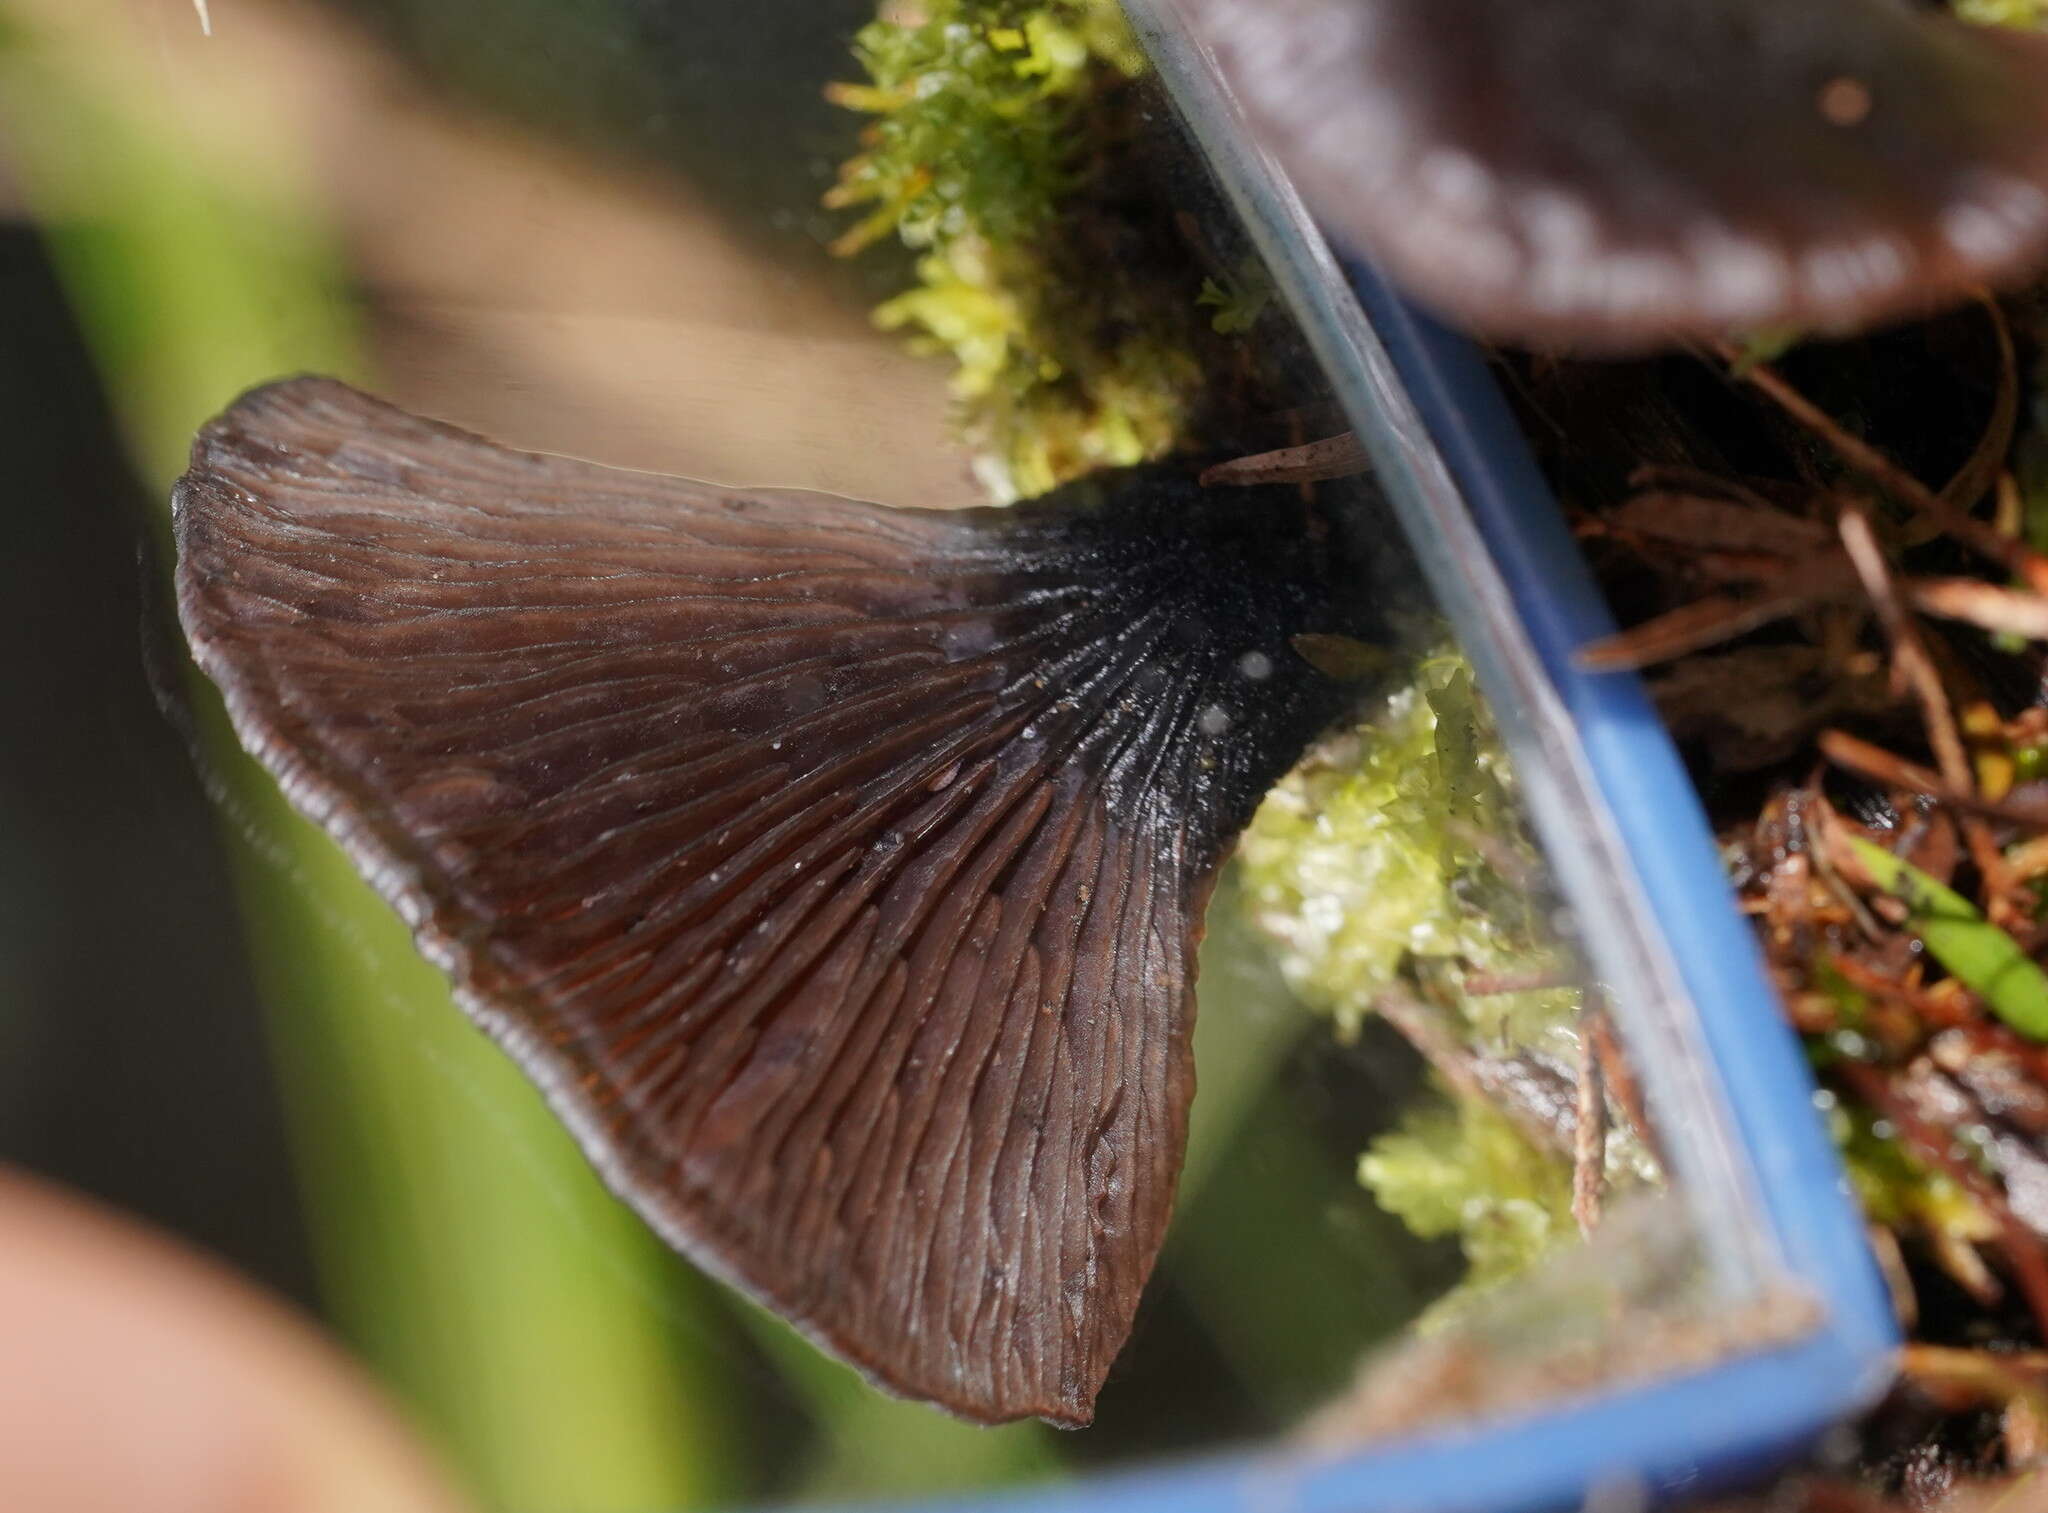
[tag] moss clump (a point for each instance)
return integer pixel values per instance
(1393, 859)
(2021, 13)
(973, 101)
(1457, 1167)
(1003, 147)
(1896, 1190)
(1377, 861)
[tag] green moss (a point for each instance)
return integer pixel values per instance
(972, 101)
(999, 148)
(1394, 858)
(1239, 298)
(1896, 1190)
(1456, 1167)
(2023, 13)
(1377, 861)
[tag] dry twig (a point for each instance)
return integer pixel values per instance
(1589, 1132)
(2005, 610)
(1620, 1078)
(1981, 469)
(1913, 669)
(1881, 766)
(1710, 621)
(1332, 457)
(1913, 666)
(1866, 459)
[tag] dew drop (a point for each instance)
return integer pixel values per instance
(967, 638)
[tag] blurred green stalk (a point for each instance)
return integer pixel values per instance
(522, 1314)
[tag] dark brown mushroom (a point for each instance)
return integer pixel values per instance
(1609, 174)
(835, 870)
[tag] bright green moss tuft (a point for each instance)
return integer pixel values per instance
(1896, 1190)
(1456, 1167)
(2021, 13)
(973, 102)
(1376, 862)
(1393, 859)
(998, 149)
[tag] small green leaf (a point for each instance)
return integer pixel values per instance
(2024, 14)
(1238, 300)
(1982, 956)
(1766, 346)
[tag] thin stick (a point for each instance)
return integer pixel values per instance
(1620, 1078)
(1531, 980)
(1866, 459)
(1691, 480)
(2026, 1429)
(1423, 1027)
(1912, 664)
(1314, 462)
(1910, 661)
(1694, 627)
(1981, 469)
(1982, 604)
(1589, 1134)
(1881, 766)
(1825, 831)
(1898, 1276)
(1719, 525)
(1516, 871)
